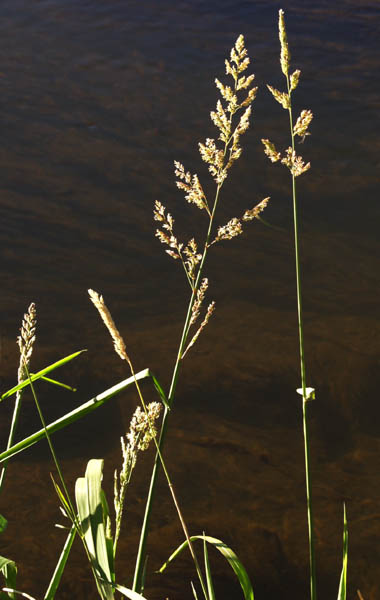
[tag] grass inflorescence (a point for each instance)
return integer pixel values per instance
(88, 513)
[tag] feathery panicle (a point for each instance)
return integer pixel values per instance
(220, 160)
(254, 212)
(193, 258)
(270, 151)
(229, 231)
(26, 340)
(302, 123)
(214, 157)
(167, 223)
(281, 97)
(295, 163)
(234, 227)
(142, 429)
(210, 310)
(108, 321)
(285, 54)
(198, 302)
(190, 184)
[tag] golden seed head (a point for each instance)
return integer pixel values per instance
(294, 79)
(108, 321)
(302, 123)
(198, 301)
(229, 231)
(210, 310)
(281, 97)
(295, 163)
(270, 151)
(190, 184)
(254, 212)
(26, 340)
(285, 54)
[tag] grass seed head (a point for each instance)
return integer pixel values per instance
(26, 340)
(107, 319)
(285, 54)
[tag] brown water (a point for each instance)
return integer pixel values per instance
(97, 99)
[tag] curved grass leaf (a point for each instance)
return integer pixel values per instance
(160, 391)
(228, 554)
(73, 416)
(57, 383)
(128, 593)
(40, 374)
(342, 592)
(9, 570)
(90, 510)
(210, 585)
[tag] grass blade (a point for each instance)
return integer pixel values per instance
(343, 577)
(9, 570)
(40, 374)
(194, 591)
(58, 383)
(228, 554)
(55, 580)
(128, 593)
(73, 416)
(90, 510)
(210, 585)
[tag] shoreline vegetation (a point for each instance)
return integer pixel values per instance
(87, 513)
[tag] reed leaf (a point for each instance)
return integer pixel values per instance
(228, 554)
(128, 593)
(8, 569)
(58, 571)
(91, 518)
(210, 585)
(41, 374)
(342, 593)
(74, 415)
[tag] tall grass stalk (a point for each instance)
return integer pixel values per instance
(219, 161)
(296, 167)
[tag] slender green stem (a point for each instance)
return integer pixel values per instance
(171, 487)
(309, 495)
(15, 416)
(148, 507)
(55, 459)
(182, 346)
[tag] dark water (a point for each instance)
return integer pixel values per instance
(97, 100)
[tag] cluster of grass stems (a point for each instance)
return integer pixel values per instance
(87, 515)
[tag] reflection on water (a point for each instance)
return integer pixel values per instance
(98, 98)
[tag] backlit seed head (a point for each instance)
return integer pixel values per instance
(303, 123)
(294, 79)
(26, 340)
(295, 163)
(285, 54)
(270, 151)
(281, 97)
(254, 212)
